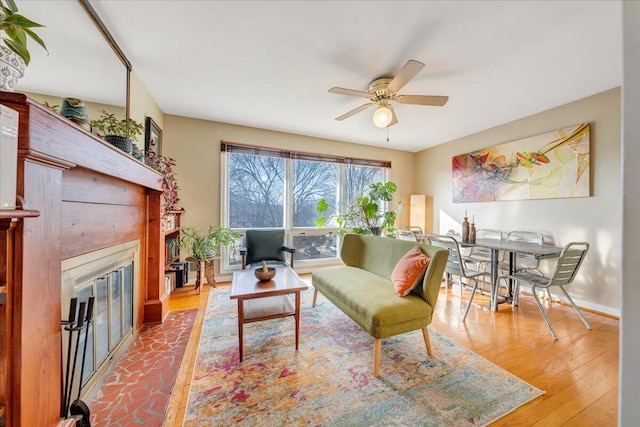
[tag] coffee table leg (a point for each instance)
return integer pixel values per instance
(240, 323)
(297, 318)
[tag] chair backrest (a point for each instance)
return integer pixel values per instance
(454, 263)
(265, 245)
(526, 261)
(414, 228)
(569, 262)
(488, 234)
(406, 235)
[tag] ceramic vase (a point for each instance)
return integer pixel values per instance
(11, 69)
(75, 110)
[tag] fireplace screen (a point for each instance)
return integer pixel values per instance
(113, 316)
(110, 276)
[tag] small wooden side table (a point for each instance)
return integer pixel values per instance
(206, 268)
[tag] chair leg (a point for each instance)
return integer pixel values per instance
(427, 342)
(377, 348)
(544, 313)
(473, 292)
(315, 297)
(575, 307)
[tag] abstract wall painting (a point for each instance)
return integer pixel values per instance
(552, 165)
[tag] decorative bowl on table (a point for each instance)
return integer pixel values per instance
(265, 276)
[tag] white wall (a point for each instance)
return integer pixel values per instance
(595, 219)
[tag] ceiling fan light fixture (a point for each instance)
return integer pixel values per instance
(382, 117)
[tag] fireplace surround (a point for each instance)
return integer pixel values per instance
(90, 196)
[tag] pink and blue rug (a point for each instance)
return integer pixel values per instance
(328, 381)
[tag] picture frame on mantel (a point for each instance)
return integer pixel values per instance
(152, 137)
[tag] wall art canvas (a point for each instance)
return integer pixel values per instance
(552, 165)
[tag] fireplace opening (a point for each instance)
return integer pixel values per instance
(110, 275)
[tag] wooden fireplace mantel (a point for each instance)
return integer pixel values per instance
(90, 196)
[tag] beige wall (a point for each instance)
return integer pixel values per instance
(143, 105)
(195, 144)
(595, 219)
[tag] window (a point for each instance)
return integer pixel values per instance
(312, 181)
(256, 191)
(269, 188)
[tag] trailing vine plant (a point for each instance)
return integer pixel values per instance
(170, 188)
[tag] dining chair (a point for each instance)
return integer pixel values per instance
(414, 228)
(524, 261)
(406, 235)
(456, 267)
(479, 255)
(566, 269)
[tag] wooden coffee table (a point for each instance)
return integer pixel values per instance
(258, 301)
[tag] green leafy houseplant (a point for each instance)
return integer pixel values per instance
(109, 124)
(366, 214)
(17, 28)
(204, 245)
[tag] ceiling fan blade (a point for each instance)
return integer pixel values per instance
(406, 73)
(438, 101)
(394, 118)
(353, 112)
(349, 92)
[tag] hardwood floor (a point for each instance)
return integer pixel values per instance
(579, 372)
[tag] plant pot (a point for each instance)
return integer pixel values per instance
(11, 69)
(121, 142)
(375, 231)
(75, 110)
(202, 248)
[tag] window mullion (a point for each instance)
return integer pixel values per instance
(288, 197)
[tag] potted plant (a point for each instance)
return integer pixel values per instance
(170, 188)
(365, 215)
(14, 55)
(118, 132)
(203, 245)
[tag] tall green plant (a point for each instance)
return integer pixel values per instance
(17, 28)
(204, 244)
(366, 213)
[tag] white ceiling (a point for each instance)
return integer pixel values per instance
(270, 64)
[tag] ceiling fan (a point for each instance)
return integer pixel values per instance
(384, 90)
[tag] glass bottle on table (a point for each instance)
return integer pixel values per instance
(472, 233)
(465, 229)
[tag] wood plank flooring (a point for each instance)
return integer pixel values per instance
(579, 372)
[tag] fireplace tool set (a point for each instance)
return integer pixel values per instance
(78, 409)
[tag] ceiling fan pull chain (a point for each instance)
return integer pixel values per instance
(387, 133)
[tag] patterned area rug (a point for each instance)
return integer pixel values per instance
(328, 381)
(137, 391)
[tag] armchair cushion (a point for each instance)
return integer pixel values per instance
(265, 245)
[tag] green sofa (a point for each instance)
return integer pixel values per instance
(362, 288)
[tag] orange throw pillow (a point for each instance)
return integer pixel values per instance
(408, 271)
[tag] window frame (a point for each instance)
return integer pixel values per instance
(290, 230)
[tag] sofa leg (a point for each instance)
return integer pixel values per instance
(315, 296)
(377, 346)
(427, 343)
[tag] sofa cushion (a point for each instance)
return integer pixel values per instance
(409, 271)
(371, 301)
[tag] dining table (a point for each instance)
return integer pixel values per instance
(513, 248)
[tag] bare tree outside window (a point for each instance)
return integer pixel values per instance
(312, 181)
(256, 191)
(358, 179)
